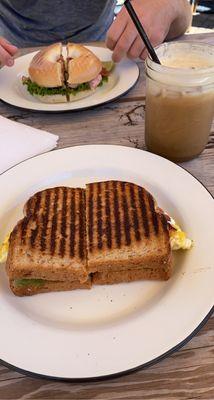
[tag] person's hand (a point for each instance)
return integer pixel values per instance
(156, 17)
(7, 51)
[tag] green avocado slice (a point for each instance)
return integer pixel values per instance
(108, 65)
(29, 282)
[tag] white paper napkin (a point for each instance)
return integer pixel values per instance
(19, 142)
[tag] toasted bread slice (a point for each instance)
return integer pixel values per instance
(130, 275)
(49, 242)
(125, 229)
(43, 286)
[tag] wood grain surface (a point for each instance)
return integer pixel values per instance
(186, 374)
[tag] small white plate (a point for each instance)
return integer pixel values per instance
(108, 330)
(122, 78)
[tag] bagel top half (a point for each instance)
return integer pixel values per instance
(82, 65)
(46, 69)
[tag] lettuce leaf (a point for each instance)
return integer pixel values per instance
(35, 89)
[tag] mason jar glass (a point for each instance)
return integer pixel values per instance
(179, 100)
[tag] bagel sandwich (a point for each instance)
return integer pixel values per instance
(54, 78)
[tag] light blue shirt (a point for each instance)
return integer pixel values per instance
(28, 23)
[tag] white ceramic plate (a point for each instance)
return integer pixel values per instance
(122, 78)
(109, 329)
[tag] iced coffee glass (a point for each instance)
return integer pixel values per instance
(179, 100)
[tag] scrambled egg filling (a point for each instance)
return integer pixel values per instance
(178, 238)
(4, 246)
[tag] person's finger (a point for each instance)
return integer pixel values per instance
(155, 40)
(5, 58)
(136, 48)
(144, 54)
(124, 43)
(10, 48)
(115, 31)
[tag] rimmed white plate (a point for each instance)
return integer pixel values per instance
(114, 329)
(122, 78)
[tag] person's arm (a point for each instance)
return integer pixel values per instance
(7, 51)
(161, 19)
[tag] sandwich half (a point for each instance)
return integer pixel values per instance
(47, 250)
(46, 79)
(127, 235)
(56, 78)
(83, 72)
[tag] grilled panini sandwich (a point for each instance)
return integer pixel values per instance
(110, 232)
(47, 250)
(127, 235)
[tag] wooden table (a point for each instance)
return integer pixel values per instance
(186, 374)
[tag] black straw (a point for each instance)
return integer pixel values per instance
(141, 31)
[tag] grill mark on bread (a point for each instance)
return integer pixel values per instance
(33, 206)
(33, 236)
(37, 203)
(164, 222)
(72, 224)
(116, 215)
(153, 212)
(108, 228)
(99, 217)
(63, 223)
(126, 221)
(90, 216)
(24, 226)
(45, 222)
(81, 224)
(134, 213)
(29, 206)
(143, 211)
(54, 223)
